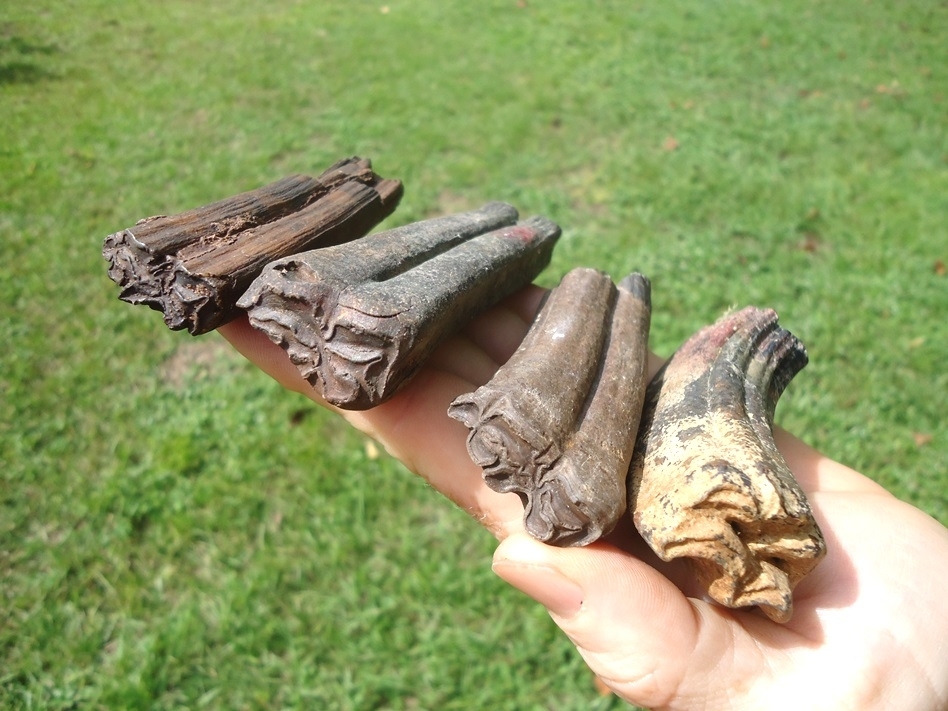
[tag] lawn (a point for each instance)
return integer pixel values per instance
(178, 532)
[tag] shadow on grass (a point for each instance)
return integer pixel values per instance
(19, 60)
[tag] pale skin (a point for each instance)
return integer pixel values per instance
(870, 624)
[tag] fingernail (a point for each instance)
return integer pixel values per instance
(560, 595)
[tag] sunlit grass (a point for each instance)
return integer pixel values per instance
(177, 532)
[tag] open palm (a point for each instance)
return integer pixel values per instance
(870, 624)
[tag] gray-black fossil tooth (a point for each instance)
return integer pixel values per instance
(360, 319)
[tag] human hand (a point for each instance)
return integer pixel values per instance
(408, 423)
(869, 627)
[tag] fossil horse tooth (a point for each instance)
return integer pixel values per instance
(556, 424)
(707, 482)
(193, 266)
(360, 319)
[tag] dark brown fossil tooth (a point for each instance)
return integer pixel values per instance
(193, 266)
(556, 424)
(707, 482)
(358, 320)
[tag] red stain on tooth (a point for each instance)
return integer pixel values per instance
(523, 233)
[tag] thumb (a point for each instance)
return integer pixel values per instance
(636, 630)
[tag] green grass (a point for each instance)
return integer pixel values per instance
(177, 532)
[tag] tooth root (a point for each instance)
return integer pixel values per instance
(707, 481)
(556, 424)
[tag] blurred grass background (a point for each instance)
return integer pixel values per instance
(177, 532)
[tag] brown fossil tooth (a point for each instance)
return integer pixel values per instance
(193, 266)
(556, 424)
(358, 320)
(707, 482)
